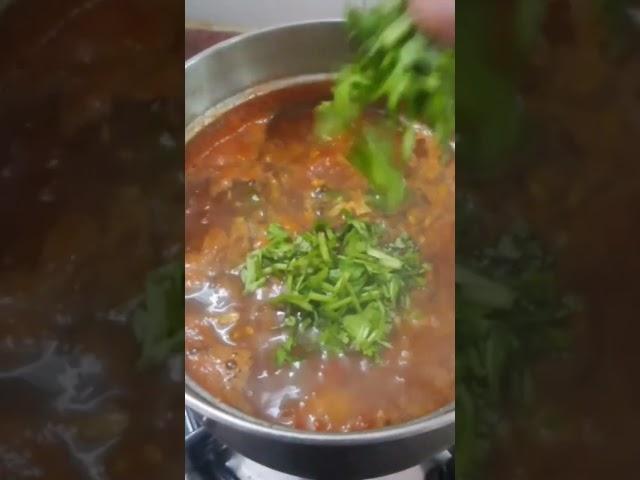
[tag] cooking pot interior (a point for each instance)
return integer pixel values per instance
(225, 76)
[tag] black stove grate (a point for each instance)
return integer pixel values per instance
(206, 458)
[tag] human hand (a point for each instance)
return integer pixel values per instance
(436, 18)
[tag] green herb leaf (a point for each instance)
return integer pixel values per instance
(159, 322)
(342, 286)
(397, 66)
(372, 155)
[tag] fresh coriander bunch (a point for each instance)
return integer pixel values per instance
(395, 66)
(342, 288)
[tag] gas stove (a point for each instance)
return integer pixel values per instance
(208, 459)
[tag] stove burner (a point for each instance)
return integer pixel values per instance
(208, 459)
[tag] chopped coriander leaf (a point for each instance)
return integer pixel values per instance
(390, 262)
(294, 299)
(345, 284)
(284, 353)
(368, 328)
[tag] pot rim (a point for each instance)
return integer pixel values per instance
(218, 412)
(256, 33)
(232, 417)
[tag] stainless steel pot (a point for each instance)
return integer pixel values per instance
(212, 78)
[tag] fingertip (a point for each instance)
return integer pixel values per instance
(436, 18)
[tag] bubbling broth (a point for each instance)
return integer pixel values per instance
(258, 164)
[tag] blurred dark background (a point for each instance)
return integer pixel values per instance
(92, 220)
(548, 99)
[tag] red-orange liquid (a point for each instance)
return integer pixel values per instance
(260, 164)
